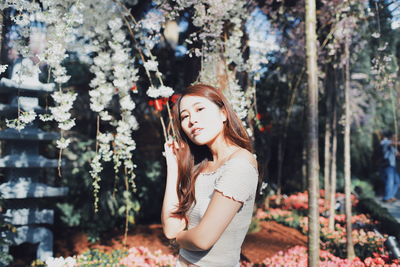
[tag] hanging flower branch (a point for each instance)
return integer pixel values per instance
(115, 76)
(221, 36)
(60, 25)
(148, 30)
(96, 31)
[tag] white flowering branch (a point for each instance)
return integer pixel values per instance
(151, 65)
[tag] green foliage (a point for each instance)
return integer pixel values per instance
(115, 202)
(365, 245)
(70, 216)
(130, 207)
(254, 225)
(288, 218)
(97, 258)
(364, 189)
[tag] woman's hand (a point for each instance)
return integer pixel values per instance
(171, 225)
(171, 148)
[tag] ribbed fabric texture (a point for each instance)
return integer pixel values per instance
(236, 179)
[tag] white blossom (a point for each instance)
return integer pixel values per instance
(106, 152)
(67, 98)
(3, 68)
(96, 106)
(22, 19)
(62, 144)
(46, 117)
(103, 60)
(376, 35)
(153, 21)
(165, 91)
(127, 103)
(151, 65)
(60, 262)
(119, 55)
(62, 79)
(59, 114)
(27, 116)
(119, 36)
(67, 125)
(132, 122)
(153, 92)
(105, 116)
(115, 24)
(105, 137)
(15, 124)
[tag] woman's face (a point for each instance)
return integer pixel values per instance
(201, 119)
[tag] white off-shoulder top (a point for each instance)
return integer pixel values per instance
(236, 178)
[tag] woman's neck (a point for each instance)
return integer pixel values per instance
(220, 149)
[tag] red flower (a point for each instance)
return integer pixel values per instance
(175, 97)
(158, 104)
(262, 129)
(258, 116)
(379, 261)
(134, 87)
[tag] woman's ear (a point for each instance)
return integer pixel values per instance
(224, 115)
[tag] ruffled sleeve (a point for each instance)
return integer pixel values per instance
(238, 180)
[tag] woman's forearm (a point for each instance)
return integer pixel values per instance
(171, 225)
(191, 240)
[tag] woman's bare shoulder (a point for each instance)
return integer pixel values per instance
(244, 154)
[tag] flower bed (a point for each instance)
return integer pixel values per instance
(297, 256)
(368, 245)
(142, 257)
(134, 257)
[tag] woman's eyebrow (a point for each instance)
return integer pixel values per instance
(194, 104)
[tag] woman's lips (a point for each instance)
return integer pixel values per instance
(197, 131)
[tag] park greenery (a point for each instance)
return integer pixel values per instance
(119, 65)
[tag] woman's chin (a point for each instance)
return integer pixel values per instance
(200, 140)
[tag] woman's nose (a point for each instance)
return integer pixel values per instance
(192, 120)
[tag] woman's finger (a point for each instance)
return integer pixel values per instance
(176, 146)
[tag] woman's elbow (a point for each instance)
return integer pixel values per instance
(203, 246)
(170, 234)
(204, 243)
(171, 230)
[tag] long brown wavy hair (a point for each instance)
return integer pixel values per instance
(193, 158)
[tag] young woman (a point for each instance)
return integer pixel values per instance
(211, 180)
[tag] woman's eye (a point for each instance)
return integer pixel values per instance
(200, 109)
(184, 117)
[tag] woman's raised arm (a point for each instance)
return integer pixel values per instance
(171, 225)
(219, 214)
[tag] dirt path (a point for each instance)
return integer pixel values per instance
(272, 237)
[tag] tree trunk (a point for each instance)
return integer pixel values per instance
(347, 170)
(280, 163)
(2, 28)
(304, 168)
(327, 146)
(332, 193)
(312, 138)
